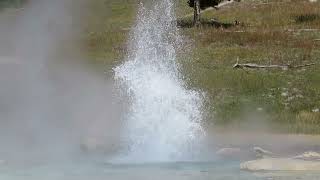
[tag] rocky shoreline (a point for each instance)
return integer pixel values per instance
(280, 164)
(308, 161)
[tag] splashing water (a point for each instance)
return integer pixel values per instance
(164, 118)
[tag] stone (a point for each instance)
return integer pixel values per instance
(228, 151)
(310, 155)
(280, 164)
(316, 110)
(262, 153)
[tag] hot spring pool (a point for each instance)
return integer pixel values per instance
(223, 170)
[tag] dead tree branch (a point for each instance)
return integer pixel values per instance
(256, 66)
(225, 3)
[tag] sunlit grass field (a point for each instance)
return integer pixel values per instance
(267, 32)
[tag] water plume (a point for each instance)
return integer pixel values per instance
(164, 117)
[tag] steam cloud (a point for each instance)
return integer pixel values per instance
(51, 101)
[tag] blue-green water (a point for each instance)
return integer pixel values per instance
(224, 170)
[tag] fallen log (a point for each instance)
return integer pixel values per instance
(257, 66)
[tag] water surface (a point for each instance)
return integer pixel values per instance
(220, 170)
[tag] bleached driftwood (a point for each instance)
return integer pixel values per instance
(225, 3)
(257, 66)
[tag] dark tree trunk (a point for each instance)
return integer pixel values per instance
(196, 18)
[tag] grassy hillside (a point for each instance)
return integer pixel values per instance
(269, 32)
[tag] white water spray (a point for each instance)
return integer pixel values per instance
(164, 118)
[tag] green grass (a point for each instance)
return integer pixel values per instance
(270, 32)
(109, 23)
(11, 3)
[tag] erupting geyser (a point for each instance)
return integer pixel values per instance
(164, 118)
